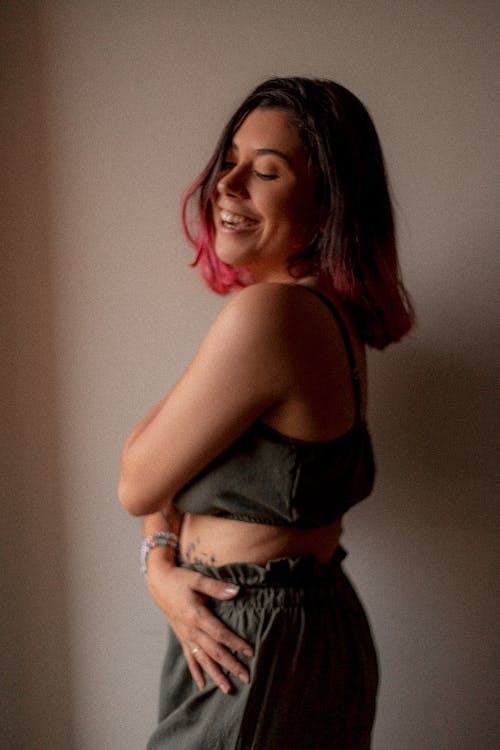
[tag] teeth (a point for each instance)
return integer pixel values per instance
(234, 220)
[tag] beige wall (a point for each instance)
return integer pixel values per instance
(112, 109)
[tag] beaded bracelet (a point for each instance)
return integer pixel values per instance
(158, 539)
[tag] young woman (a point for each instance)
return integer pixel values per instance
(244, 470)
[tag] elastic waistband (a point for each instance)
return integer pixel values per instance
(285, 572)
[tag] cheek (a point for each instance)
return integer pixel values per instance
(298, 213)
(290, 215)
(288, 209)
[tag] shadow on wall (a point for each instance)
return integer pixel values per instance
(36, 671)
(433, 539)
(438, 410)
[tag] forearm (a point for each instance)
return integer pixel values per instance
(168, 520)
(134, 436)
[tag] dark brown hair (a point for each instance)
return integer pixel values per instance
(355, 249)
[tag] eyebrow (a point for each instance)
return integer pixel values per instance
(264, 151)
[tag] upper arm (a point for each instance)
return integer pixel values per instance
(240, 371)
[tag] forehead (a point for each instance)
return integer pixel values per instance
(269, 129)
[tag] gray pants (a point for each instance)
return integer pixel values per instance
(313, 676)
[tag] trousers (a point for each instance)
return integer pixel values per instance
(314, 673)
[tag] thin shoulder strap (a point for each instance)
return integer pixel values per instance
(356, 386)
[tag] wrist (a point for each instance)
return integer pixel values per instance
(165, 541)
(160, 558)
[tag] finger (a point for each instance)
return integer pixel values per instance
(213, 671)
(215, 589)
(210, 625)
(222, 658)
(194, 668)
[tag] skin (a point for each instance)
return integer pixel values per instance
(304, 390)
(266, 179)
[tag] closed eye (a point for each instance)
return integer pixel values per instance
(263, 176)
(227, 165)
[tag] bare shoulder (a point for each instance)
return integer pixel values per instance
(283, 325)
(253, 328)
(264, 297)
(272, 309)
(267, 323)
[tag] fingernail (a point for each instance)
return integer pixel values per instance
(247, 652)
(244, 677)
(231, 589)
(224, 687)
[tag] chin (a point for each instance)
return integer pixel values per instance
(232, 257)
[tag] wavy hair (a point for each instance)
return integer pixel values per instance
(355, 250)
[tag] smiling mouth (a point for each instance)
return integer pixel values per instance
(235, 221)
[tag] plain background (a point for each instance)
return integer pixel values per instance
(109, 111)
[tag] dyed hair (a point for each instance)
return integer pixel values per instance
(355, 249)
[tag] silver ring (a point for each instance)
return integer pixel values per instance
(195, 650)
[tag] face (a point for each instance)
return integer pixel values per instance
(263, 205)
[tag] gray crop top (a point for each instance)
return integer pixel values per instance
(266, 477)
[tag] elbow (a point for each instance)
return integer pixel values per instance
(140, 490)
(129, 500)
(139, 496)
(131, 485)
(132, 496)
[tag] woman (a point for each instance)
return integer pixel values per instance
(244, 470)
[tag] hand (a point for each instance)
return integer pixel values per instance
(182, 595)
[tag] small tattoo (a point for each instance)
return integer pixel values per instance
(192, 555)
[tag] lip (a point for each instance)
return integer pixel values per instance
(249, 222)
(237, 211)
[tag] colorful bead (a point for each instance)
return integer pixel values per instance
(158, 539)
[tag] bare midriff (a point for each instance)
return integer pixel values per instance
(219, 541)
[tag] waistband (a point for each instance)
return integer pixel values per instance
(285, 572)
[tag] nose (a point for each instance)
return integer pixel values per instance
(232, 182)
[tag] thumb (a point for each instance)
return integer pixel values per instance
(215, 589)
